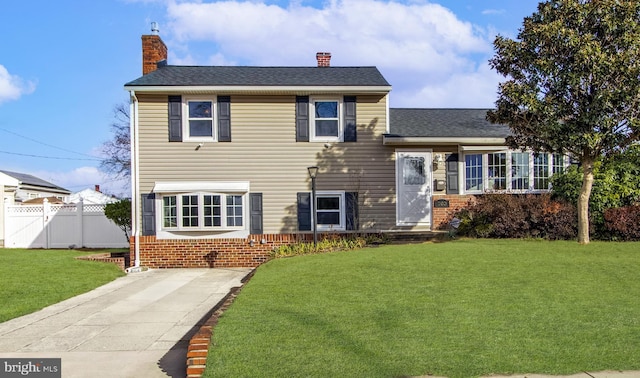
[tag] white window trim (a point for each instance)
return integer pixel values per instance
(185, 118)
(343, 211)
(312, 119)
(509, 178)
(201, 227)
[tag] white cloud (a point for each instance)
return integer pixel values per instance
(12, 87)
(417, 46)
(493, 11)
(476, 89)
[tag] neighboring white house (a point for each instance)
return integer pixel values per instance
(91, 197)
(18, 187)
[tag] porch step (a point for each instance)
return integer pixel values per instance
(408, 237)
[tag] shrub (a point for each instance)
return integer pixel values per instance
(328, 243)
(518, 216)
(120, 214)
(616, 184)
(623, 223)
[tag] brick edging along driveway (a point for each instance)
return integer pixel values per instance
(198, 348)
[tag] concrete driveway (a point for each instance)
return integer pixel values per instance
(136, 326)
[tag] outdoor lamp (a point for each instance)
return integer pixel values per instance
(313, 172)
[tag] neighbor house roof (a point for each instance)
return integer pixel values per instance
(244, 76)
(34, 181)
(444, 126)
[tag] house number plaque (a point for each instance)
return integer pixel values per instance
(441, 203)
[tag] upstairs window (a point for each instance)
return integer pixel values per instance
(199, 119)
(326, 119)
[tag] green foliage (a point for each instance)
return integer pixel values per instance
(326, 244)
(573, 83)
(465, 308)
(573, 77)
(616, 184)
(518, 216)
(120, 213)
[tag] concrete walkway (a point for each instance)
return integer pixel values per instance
(136, 326)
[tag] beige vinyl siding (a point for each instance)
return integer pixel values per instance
(264, 152)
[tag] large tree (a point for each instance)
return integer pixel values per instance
(573, 84)
(117, 151)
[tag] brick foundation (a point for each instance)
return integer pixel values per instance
(247, 252)
(442, 215)
(210, 253)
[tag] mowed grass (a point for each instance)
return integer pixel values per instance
(33, 279)
(458, 309)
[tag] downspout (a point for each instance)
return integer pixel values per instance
(135, 182)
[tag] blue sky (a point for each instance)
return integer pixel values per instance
(63, 63)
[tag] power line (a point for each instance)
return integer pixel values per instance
(48, 157)
(44, 144)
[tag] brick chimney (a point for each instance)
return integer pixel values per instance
(324, 59)
(97, 188)
(153, 50)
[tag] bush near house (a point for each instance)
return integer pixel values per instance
(120, 213)
(616, 185)
(518, 216)
(623, 223)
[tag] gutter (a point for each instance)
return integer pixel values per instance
(135, 182)
(389, 140)
(259, 89)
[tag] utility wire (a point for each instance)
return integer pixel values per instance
(48, 157)
(48, 145)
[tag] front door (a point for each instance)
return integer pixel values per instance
(414, 187)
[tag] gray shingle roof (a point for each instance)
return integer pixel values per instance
(444, 123)
(33, 180)
(261, 76)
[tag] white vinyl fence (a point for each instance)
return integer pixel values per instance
(60, 226)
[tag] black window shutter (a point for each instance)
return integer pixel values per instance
(175, 118)
(351, 208)
(302, 118)
(224, 119)
(304, 211)
(148, 206)
(350, 129)
(255, 210)
(452, 174)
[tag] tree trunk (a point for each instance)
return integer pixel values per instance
(583, 200)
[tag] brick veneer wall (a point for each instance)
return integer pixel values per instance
(442, 215)
(246, 252)
(105, 257)
(210, 253)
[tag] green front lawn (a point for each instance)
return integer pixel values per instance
(33, 279)
(459, 309)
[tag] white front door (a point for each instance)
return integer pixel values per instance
(414, 187)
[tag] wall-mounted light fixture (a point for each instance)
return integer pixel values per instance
(437, 160)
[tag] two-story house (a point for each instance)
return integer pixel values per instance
(220, 158)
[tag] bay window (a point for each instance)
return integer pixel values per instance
(511, 171)
(202, 211)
